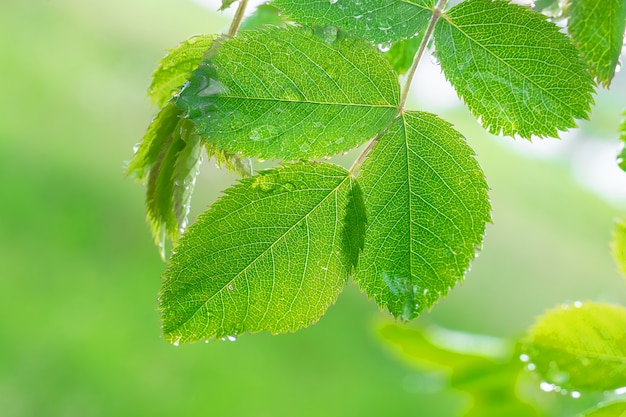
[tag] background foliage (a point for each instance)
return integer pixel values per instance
(77, 296)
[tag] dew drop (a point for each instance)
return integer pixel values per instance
(384, 47)
(232, 338)
(333, 1)
(575, 394)
(206, 341)
(578, 304)
(434, 60)
(230, 287)
(177, 342)
(524, 357)
(136, 147)
(358, 16)
(546, 387)
(531, 367)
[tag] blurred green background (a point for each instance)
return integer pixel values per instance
(79, 331)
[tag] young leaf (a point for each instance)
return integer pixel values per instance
(619, 246)
(515, 70)
(377, 21)
(174, 69)
(613, 409)
(168, 157)
(427, 207)
(286, 93)
(270, 255)
(597, 29)
(580, 347)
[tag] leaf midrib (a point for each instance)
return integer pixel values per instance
(263, 253)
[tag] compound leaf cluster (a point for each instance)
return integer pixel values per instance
(274, 252)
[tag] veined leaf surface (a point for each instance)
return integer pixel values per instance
(597, 28)
(580, 347)
(427, 206)
(374, 20)
(174, 69)
(272, 254)
(515, 70)
(286, 93)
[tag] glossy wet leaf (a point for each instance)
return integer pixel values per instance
(167, 159)
(271, 255)
(619, 245)
(580, 347)
(427, 205)
(515, 70)
(374, 20)
(288, 93)
(174, 69)
(613, 409)
(597, 28)
(490, 376)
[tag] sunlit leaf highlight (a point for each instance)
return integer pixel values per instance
(516, 71)
(580, 346)
(288, 93)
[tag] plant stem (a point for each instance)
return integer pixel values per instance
(420, 52)
(407, 85)
(234, 26)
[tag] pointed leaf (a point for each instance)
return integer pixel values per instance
(374, 20)
(268, 256)
(614, 409)
(427, 206)
(597, 29)
(226, 4)
(580, 347)
(619, 246)
(515, 70)
(285, 93)
(168, 158)
(174, 69)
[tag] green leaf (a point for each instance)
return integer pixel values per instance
(621, 158)
(515, 70)
(427, 207)
(285, 93)
(270, 255)
(597, 29)
(178, 65)
(401, 54)
(619, 245)
(580, 347)
(489, 373)
(374, 20)
(613, 409)
(549, 7)
(265, 14)
(168, 158)
(226, 4)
